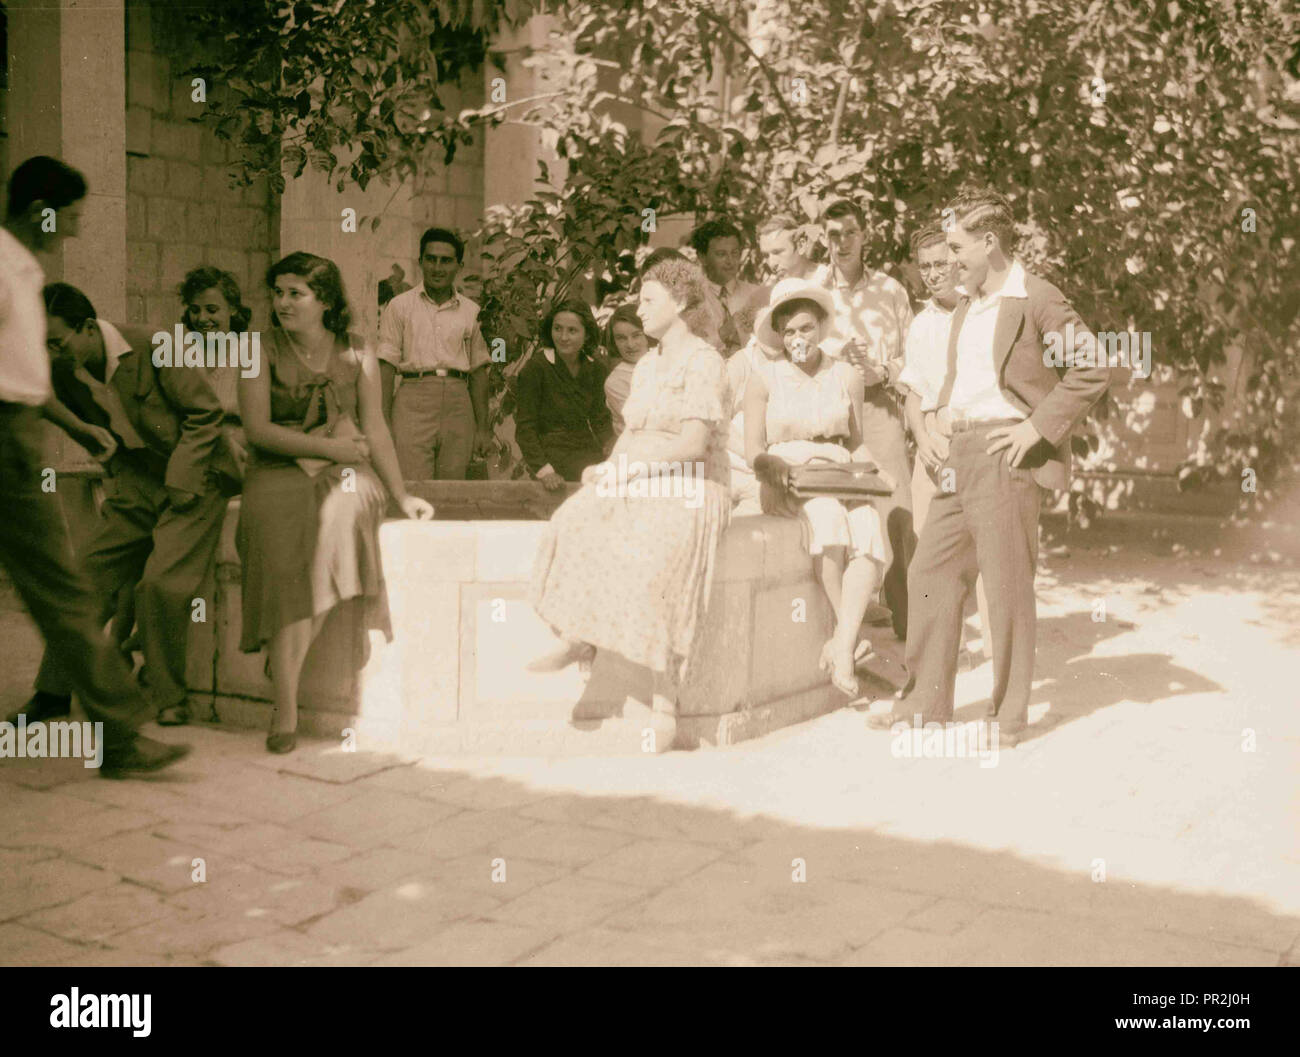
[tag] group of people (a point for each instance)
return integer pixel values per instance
(706, 369)
(304, 436)
(829, 364)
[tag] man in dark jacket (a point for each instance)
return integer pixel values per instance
(1003, 419)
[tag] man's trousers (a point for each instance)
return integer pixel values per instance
(36, 553)
(433, 428)
(882, 432)
(987, 526)
(166, 553)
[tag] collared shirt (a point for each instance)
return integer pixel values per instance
(874, 312)
(103, 393)
(926, 356)
(976, 394)
(416, 333)
(738, 303)
(24, 363)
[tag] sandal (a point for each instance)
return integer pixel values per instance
(174, 716)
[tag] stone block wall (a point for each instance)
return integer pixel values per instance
(181, 209)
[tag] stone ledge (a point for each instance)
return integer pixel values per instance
(454, 679)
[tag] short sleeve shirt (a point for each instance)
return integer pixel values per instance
(416, 333)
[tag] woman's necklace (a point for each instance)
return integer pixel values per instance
(319, 355)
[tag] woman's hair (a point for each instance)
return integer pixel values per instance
(323, 279)
(206, 278)
(781, 315)
(582, 310)
(685, 281)
(622, 314)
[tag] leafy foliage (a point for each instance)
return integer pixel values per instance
(1131, 138)
(350, 87)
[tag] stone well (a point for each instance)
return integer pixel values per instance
(453, 680)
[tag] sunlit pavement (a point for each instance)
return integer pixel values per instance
(1151, 818)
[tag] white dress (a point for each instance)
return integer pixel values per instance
(800, 407)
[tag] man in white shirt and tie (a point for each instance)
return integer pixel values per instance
(1001, 425)
(924, 369)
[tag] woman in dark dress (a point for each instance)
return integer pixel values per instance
(562, 424)
(313, 501)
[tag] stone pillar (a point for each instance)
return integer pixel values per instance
(67, 97)
(512, 149)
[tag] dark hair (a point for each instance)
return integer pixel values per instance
(622, 314)
(844, 207)
(982, 209)
(207, 277)
(44, 179)
(64, 301)
(703, 236)
(583, 311)
(926, 236)
(781, 315)
(443, 235)
(685, 281)
(323, 279)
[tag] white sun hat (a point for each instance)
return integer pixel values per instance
(791, 290)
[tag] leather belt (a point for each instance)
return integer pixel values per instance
(437, 372)
(961, 425)
(839, 439)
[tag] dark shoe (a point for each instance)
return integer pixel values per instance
(174, 716)
(282, 743)
(141, 756)
(43, 707)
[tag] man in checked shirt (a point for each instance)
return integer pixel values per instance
(430, 337)
(872, 314)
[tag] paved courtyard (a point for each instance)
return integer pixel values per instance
(1150, 819)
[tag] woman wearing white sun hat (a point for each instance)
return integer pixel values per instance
(809, 406)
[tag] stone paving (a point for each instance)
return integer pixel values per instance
(1133, 827)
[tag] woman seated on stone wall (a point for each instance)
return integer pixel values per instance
(213, 305)
(810, 406)
(625, 343)
(313, 501)
(562, 425)
(627, 562)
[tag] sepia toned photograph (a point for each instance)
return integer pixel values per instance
(719, 483)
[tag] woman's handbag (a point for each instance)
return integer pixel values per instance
(838, 480)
